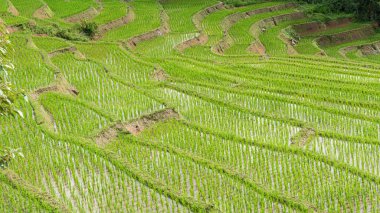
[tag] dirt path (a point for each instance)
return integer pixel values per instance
(161, 31)
(135, 127)
(314, 27)
(72, 49)
(103, 29)
(202, 38)
(348, 36)
(364, 50)
(227, 41)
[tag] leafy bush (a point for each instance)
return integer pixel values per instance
(89, 28)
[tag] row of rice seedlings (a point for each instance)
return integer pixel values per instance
(95, 87)
(28, 74)
(240, 32)
(64, 9)
(198, 181)
(296, 175)
(359, 68)
(11, 200)
(363, 156)
(321, 120)
(212, 76)
(112, 10)
(72, 118)
(262, 78)
(80, 179)
(270, 38)
(49, 44)
(229, 120)
(147, 18)
(117, 62)
(337, 76)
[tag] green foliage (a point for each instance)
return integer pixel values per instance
(89, 28)
(366, 10)
(54, 30)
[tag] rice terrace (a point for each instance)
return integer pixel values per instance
(190, 106)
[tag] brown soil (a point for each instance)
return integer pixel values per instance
(229, 21)
(135, 127)
(197, 20)
(43, 12)
(12, 29)
(199, 40)
(159, 74)
(162, 30)
(257, 47)
(85, 15)
(12, 9)
(61, 86)
(66, 49)
(364, 50)
(130, 16)
(313, 27)
(345, 37)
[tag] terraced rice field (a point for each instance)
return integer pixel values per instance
(192, 106)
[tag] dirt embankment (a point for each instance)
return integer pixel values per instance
(162, 30)
(314, 27)
(230, 20)
(135, 127)
(85, 15)
(12, 9)
(43, 12)
(364, 50)
(103, 29)
(65, 50)
(261, 26)
(348, 36)
(202, 38)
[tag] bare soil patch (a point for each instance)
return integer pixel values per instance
(12, 9)
(159, 74)
(364, 50)
(314, 27)
(43, 12)
(72, 49)
(348, 36)
(289, 44)
(135, 127)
